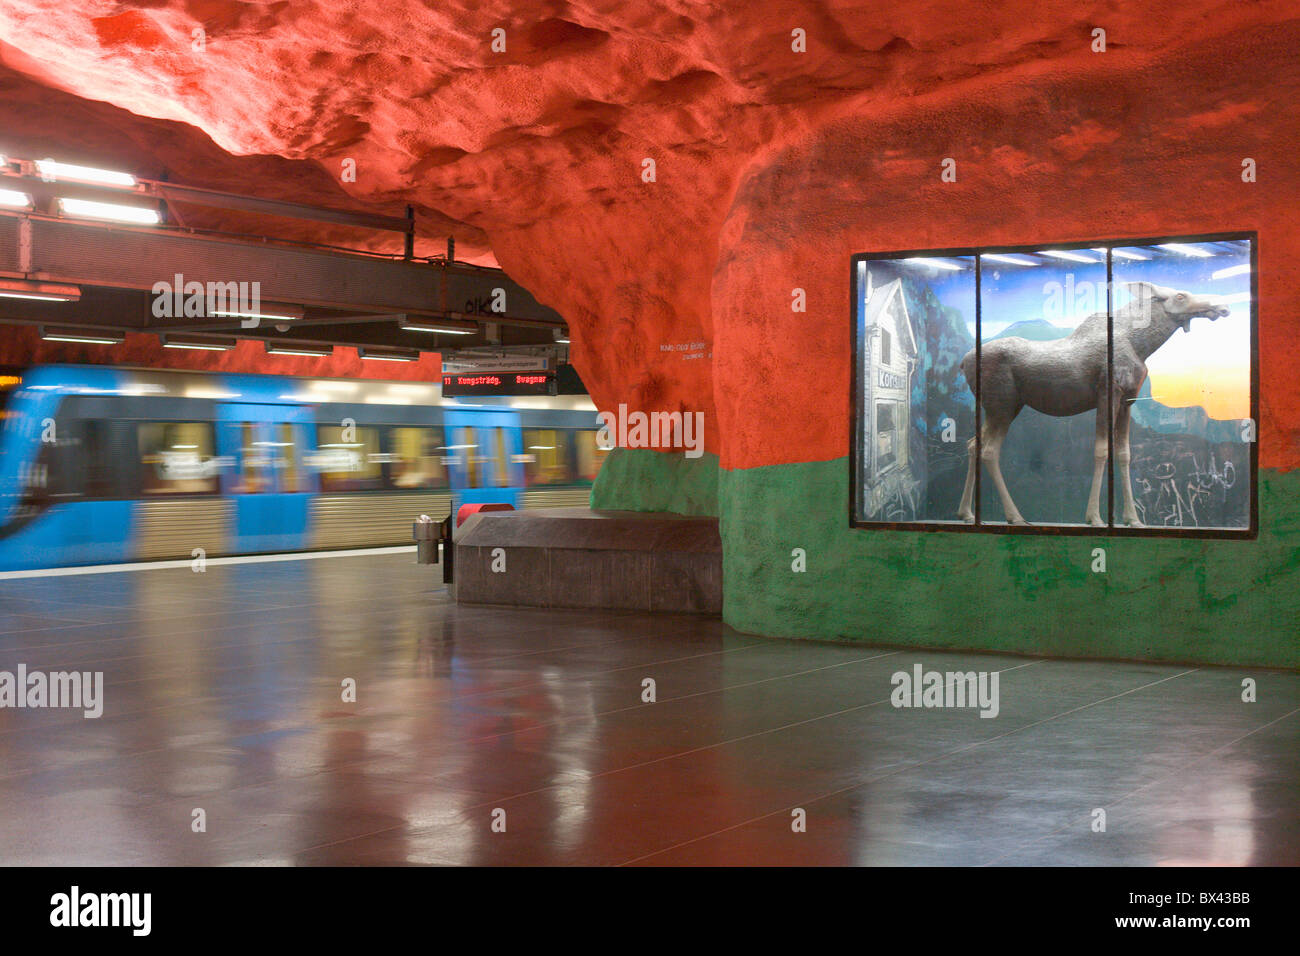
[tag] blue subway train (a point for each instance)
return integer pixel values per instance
(105, 465)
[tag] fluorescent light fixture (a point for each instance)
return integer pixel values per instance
(1123, 254)
(293, 348)
(51, 170)
(1240, 270)
(1187, 250)
(88, 336)
(13, 199)
(443, 326)
(936, 263)
(389, 355)
(202, 343)
(1070, 256)
(1009, 260)
(114, 212)
(34, 297)
(38, 291)
(282, 313)
(326, 385)
(561, 335)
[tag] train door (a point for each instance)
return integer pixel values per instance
(266, 480)
(484, 455)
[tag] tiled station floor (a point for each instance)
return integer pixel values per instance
(223, 692)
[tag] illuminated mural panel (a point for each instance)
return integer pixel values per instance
(1191, 426)
(1136, 354)
(1044, 298)
(915, 411)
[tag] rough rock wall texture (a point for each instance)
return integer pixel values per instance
(1153, 148)
(772, 168)
(639, 480)
(37, 121)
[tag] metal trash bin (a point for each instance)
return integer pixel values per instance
(425, 532)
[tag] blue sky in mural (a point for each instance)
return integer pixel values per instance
(1059, 292)
(1039, 287)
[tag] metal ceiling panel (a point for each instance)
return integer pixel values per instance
(97, 254)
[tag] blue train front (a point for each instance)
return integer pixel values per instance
(103, 465)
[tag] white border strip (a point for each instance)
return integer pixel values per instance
(187, 562)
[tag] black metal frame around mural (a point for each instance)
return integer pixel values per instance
(1111, 529)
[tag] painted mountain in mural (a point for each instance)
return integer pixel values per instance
(1192, 420)
(1035, 330)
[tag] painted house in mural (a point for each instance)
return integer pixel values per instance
(890, 361)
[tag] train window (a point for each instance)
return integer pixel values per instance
(10, 380)
(34, 478)
(417, 458)
(466, 450)
(176, 458)
(292, 478)
(590, 455)
(97, 477)
(255, 463)
(500, 462)
(348, 458)
(546, 456)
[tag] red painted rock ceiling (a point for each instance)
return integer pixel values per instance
(772, 166)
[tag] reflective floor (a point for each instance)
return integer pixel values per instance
(224, 693)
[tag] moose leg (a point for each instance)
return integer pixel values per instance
(966, 512)
(1122, 456)
(1093, 516)
(991, 452)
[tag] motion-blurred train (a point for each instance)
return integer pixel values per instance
(105, 465)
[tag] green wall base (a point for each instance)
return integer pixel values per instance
(1211, 601)
(641, 480)
(1160, 599)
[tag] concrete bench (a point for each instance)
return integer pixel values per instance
(579, 558)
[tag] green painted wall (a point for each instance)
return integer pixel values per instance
(642, 480)
(1160, 599)
(1195, 600)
